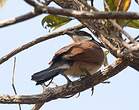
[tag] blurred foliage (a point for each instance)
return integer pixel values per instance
(118, 5)
(121, 5)
(54, 21)
(129, 23)
(2, 2)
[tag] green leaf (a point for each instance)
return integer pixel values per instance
(118, 5)
(111, 5)
(134, 24)
(129, 23)
(121, 5)
(54, 21)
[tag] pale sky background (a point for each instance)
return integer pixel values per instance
(121, 94)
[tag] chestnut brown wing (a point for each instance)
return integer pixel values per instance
(85, 51)
(60, 53)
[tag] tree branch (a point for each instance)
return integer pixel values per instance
(69, 12)
(91, 15)
(36, 41)
(38, 106)
(32, 3)
(62, 91)
(18, 19)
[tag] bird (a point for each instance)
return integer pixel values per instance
(83, 57)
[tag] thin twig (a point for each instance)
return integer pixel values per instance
(13, 76)
(13, 80)
(32, 3)
(38, 106)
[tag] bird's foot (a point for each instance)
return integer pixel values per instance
(69, 96)
(46, 85)
(69, 82)
(92, 90)
(78, 94)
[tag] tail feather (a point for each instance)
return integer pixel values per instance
(47, 74)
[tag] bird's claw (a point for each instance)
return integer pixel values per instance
(69, 82)
(92, 90)
(46, 85)
(78, 95)
(106, 82)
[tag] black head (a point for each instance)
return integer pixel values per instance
(77, 35)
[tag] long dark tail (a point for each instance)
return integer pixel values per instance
(47, 74)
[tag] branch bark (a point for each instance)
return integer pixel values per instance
(91, 15)
(70, 13)
(18, 19)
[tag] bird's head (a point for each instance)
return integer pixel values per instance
(77, 35)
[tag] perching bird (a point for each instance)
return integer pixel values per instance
(81, 58)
